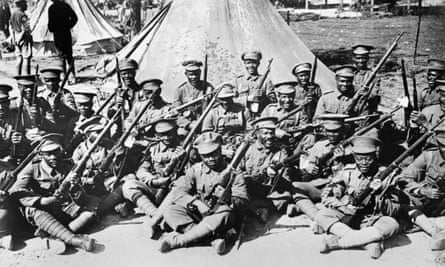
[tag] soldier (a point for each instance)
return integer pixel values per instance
(341, 101)
(361, 58)
(21, 36)
(8, 135)
(431, 114)
(424, 182)
(342, 215)
(228, 119)
(259, 164)
(306, 92)
(61, 101)
(156, 171)
(290, 130)
(190, 214)
(430, 95)
(247, 85)
(73, 137)
(35, 188)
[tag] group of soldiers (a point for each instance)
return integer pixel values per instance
(200, 167)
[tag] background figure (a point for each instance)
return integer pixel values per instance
(5, 14)
(21, 36)
(61, 19)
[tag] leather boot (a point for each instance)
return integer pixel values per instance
(151, 228)
(375, 249)
(83, 242)
(292, 210)
(85, 219)
(220, 245)
(307, 207)
(182, 240)
(425, 224)
(329, 243)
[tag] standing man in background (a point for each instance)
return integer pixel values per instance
(61, 19)
(5, 14)
(21, 36)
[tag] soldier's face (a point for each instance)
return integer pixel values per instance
(27, 91)
(251, 66)
(303, 77)
(333, 136)
(85, 108)
(345, 84)
(167, 138)
(4, 109)
(432, 77)
(52, 83)
(128, 77)
(193, 77)
(266, 137)
(50, 157)
(152, 92)
(286, 100)
(212, 159)
(365, 162)
(361, 61)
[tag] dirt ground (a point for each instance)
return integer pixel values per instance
(289, 242)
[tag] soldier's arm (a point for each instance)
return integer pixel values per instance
(321, 107)
(412, 177)
(209, 121)
(23, 188)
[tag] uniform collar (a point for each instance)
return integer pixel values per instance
(46, 168)
(252, 77)
(205, 169)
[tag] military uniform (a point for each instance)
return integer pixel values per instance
(431, 95)
(311, 90)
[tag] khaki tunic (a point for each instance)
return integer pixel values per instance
(248, 85)
(428, 97)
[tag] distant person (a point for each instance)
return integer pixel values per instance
(21, 36)
(5, 15)
(61, 19)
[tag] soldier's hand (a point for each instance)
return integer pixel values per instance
(179, 152)
(362, 92)
(312, 169)
(418, 118)
(202, 207)
(431, 192)
(339, 152)
(228, 152)
(376, 184)
(46, 201)
(218, 191)
(271, 172)
(16, 138)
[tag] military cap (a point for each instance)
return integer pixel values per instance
(332, 121)
(287, 87)
(301, 67)
(436, 64)
(50, 142)
(51, 72)
(361, 49)
(165, 125)
(25, 79)
(4, 92)
(192, 65)
(84, 97)
(92, 124)
(265, 123)
(128, 64)
(228, 91)
(252, 55)
(345, 71)
(151, 84)
(364, 144)
(208, 142)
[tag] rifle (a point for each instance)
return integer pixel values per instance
(415, 101)
(104, 104)
(314, 70)
(291, 113)
(358, 103)
(17, 123)
(385, 176)
(76, 172)
(360, 118)
(34, 92)
(282, 166)
(407, 111)
(263, 79)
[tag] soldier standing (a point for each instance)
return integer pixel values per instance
(342, 215)
(247, 85)
(306, 93)
(61, 19)
(361, 58)
(431, 114)
(129, 95)
(195, 193)
(21, 36)
(430, 95)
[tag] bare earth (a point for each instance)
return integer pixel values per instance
(289, 242)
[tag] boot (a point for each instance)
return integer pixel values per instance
(124, 209)
(145, 204)
(110, 201)
(181, 240)
(151, 228)
(50, 225)
(83, 242)
(85, 219)
(375, 249)
(6, 242)
(425, 223)
(307, 207)
(329, 243)
(220, 245)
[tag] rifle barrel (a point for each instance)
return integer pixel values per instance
(107, 101)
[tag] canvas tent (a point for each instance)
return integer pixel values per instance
(91, 35)
(222, 29)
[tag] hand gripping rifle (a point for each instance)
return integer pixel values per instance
(386, 177)
(359, 102)
(76, 173)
